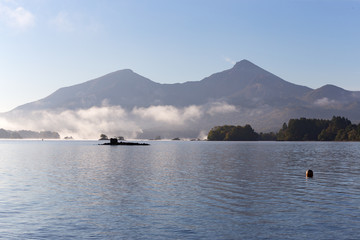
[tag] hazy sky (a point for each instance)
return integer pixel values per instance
(48, 44)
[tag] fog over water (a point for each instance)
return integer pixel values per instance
(115, 120)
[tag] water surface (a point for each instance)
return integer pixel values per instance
(179, 190)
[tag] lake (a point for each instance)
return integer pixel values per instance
(179, 190)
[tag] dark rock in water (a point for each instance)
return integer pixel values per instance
(115, 142)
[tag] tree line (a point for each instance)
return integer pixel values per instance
(303, 129)
(233, 133)
(28, 134)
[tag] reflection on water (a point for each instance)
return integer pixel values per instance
(179, 190)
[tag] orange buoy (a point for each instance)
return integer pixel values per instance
(309, 173)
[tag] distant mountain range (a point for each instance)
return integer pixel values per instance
(244, 94)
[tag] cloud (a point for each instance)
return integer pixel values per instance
(116, 121)
(324, 102)
(229, 60)
(169, 114)
(62, 22)
(85, 123)
(16, 16)
(221, 108)
(68, 22)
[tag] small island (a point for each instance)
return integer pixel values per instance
(115, 142)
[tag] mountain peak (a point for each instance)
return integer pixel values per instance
(244, 64)
(331, 87)
(123, 71)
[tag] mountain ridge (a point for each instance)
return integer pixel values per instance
(246, 78)
(245, 93)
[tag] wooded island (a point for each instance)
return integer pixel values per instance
(303, 129)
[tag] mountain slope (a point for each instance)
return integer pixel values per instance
(244, 84)
(118, 88)
(332, 92)
(244, 94)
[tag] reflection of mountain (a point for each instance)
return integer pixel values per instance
(260, 98)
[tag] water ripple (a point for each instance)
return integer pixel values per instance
(182, 190)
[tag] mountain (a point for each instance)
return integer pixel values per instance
(243, 94)
(245, 83)
(123, 87)
(332, 92)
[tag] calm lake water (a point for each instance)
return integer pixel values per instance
(179, 190)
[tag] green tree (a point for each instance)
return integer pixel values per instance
(233, 133)
(302, 129)
(271, 136)
(103, 137)
(218, 133)
(240, 133)
(331, 132)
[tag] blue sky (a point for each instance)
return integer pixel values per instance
(48, 44)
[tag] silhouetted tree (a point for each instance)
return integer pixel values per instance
(103, 137)
(233, 133)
